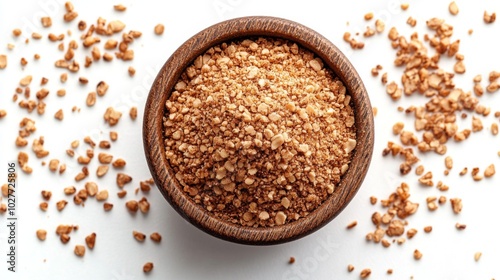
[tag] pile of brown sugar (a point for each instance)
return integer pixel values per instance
(259, 132)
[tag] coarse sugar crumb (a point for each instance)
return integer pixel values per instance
(477, 256)
(259, 132)
(365, 273)
(417, 255)
(352, 224)
(147, 267)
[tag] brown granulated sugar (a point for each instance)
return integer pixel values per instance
(259, 132)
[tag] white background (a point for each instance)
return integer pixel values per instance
(186, 252)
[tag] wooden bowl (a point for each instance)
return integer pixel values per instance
(241, 28)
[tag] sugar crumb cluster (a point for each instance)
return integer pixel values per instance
(259, 131)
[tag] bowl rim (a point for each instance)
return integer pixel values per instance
(239, 28)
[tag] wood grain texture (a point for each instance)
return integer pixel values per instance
(242, 28)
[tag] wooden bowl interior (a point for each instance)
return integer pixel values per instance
(244, 28)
